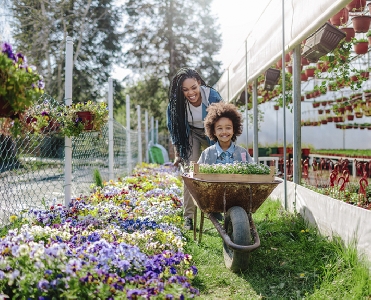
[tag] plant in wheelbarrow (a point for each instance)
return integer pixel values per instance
(238, 190)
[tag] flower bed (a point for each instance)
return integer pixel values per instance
(123, 241)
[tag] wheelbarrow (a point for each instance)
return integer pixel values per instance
(237, 200)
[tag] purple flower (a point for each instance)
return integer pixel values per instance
(7, 49)
(43, 285)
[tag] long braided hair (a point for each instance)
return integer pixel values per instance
(178, 111)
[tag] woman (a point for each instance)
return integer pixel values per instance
(189, 96)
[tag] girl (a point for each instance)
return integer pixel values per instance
(189, 96)
(223, 124)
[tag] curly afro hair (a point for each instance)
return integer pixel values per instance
(223, 110)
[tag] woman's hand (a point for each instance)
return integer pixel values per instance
(177, 161)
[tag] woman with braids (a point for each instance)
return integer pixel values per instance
(189, 96)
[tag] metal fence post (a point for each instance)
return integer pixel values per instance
(139, 135)
(67, 140)
(146, 133)
(128, 138)
(110, 129)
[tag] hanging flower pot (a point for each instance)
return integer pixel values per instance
(350, 117)
(356, 6)
(276, 107)
(361, 46)
(289, 69)
(310, 72)
(320, 111)
(349, 31)
(340, 18)
(304, 61)
(330, 119)
(359, 114)
(86, 118)
(361, 23)
(271, 78)
(323, 41)
(303, 77)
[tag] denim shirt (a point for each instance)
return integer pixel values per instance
(210, 155)
(224, 157)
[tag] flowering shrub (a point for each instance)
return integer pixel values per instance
(117, 243)
(235, 168)
(20, 85)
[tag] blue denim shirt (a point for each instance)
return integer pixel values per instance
(224, 157)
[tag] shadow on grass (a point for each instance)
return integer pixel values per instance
(293, 261)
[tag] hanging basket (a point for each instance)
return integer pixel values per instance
(323, 41)
(271, 78)
(87, 118)
(361, 23)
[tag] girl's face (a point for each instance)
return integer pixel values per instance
(224, 131)
(191, 90)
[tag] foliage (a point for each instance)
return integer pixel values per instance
(20, 85)
(340, 68)
(163, 36)
(41, 30)
(98, 178)
(150, 93)
(235, 168)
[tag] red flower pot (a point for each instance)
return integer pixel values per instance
(87, 118)
(289, 69)
(304, 61)
(276, 107)
(350, 117)
(349, 31)
(309, 72)
(340, 18)
(361, 23)
(361, 47)
(356, 6)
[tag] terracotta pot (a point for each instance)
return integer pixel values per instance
(276, 107)
(324, 122)
(320, 111)
(309, 72)
(340, 18)
(289, 69)
(349, 31)
(330, 119)
(365, 74)
(350, 117)
(87, 119)
(361, 47)
(303, 77)
(361, 23)
(359, 114)
(356, 6)
(304, 61)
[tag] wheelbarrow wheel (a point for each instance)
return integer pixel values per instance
(238, 229)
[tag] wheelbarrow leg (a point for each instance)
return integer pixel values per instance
(195, 224)
(201, 226)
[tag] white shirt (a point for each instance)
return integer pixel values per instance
(195, 116)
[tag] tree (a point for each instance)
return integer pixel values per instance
(41, 28)
(149, 93)
(165, 35)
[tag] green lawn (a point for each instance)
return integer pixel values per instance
(293, 262)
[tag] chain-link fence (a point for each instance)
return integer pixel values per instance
(32, 164)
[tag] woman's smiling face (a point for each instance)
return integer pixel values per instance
(191, 90)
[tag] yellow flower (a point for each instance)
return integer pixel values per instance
(13, 218)
(302, 275)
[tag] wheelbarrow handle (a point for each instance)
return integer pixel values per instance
(227, 239)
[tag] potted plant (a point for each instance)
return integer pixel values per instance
(361, 23)
(356, 5)
(340, 18)
(360, 46)
(309, 71)
(81, 117)
(20, 86)
(349, 31)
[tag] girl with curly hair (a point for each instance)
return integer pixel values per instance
(189, 96)
(223, 124)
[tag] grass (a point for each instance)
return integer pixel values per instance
(293, 262)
